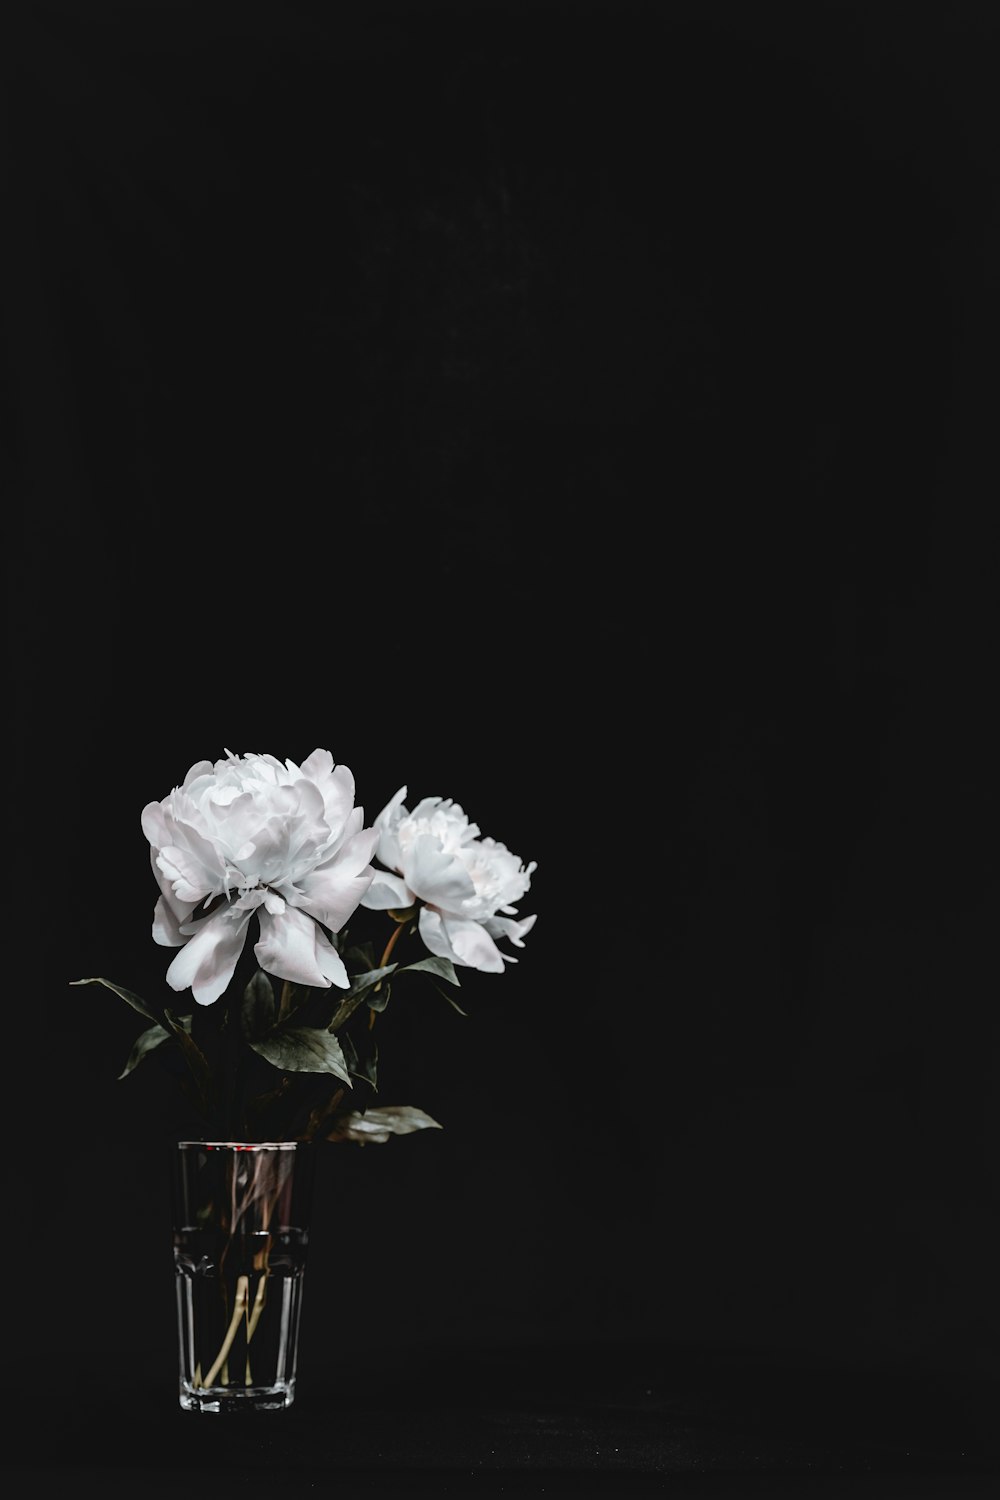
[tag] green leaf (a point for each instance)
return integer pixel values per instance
(367, 1068)
(180, 1027)
(451, 1000)
(362, 983)
(364, 1068)
(258, 1006)
(378, 997)
(360, 986)
(294, 997)
(144, 1044)
(303, 1049)
(380, 1124)
(126, 995)
(350, 1052)
(442, 967)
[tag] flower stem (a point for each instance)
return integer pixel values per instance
(393, 940)
(387, 951)
(258, 1305)
(254, 1319)
(239, 1311)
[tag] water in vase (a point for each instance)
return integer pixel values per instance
(239, 1300)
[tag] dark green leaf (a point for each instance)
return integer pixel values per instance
(293, 997)
(451, 1000)
(180, 1026)
(312, 1007)
(360, 986)
(378, 997)
(126, 995)
(144, 1044)
(346, 1008)
(367, 1068)
(258, 1006)
(350, 1052)
(360, 1064)
(303, 1049)
(380, 1124)
(442, 967)
(362, 982)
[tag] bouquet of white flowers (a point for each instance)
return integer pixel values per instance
(288, 1053)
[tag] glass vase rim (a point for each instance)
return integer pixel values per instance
(211, 1145)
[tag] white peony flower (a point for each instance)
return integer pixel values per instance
(255, 835)
(434, 855)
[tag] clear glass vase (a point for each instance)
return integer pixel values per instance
(241, 1213)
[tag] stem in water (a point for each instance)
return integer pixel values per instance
(239, 1311)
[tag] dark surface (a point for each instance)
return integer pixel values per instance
(587, 412)
(594, 1419)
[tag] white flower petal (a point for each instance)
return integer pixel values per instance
(438, 878)
(200, 768)
(463, 941)
(179, 910)
(435, 938)
(426, 808)
(317, 766)
(197, 865)
(208, 960)
(154, 825)
(504, 927)
(338, 796)
(388, 818)
(354, 824)
(293, 947)
(387, 892)
(166, 926)
(332, 891)
(184, 874)
(330, 963)
(474, 946)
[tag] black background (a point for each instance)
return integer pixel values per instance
(586, 412)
